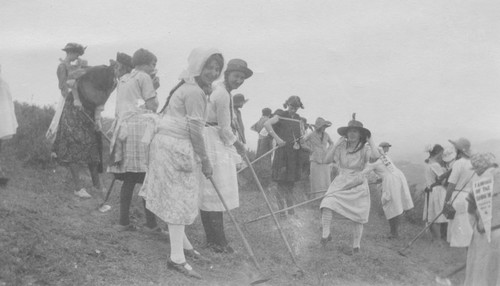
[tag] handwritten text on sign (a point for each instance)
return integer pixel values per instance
(483, 189)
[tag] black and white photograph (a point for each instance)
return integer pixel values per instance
(266, 142)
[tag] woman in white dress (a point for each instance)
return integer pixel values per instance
(348, 194)
(396, 196)
(459, 232)
(436, 193)
(177, 155)
(8, 121)
(221, 143)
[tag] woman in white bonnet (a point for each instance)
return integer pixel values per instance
(178, 158)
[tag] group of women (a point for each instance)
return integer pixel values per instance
(185, 156)
(451, 209)
(173, 153)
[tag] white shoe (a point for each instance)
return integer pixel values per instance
(82, 193)
(443, 281)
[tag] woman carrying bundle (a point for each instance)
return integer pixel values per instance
(177, 155)
(76, 139)
(348, 194)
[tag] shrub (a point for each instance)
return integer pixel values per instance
(29, 143)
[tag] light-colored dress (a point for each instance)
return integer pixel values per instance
(459, 228)
(172, 184)
(128, 153)
(8, 121)
(319, 176)
(483, 257)
(438, 194)
(219, 140)
(396, 196)
(353, 203)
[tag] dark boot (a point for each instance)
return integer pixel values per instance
(126, 193)
(207, 225)
(394, 223)
(220, 236)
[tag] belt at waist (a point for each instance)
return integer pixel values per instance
(178, 135)
(211, 124)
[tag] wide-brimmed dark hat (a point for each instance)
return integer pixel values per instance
(462, 144)
(124, 59)
(320, 122)
(239, 65)
(354, 124)
(239, 98)
(74, 47)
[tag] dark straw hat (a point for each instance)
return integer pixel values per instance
(239, 65)
(354, 124)
(74, 47)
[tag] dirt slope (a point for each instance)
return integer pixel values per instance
(50, 237)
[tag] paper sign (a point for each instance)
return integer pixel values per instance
(483, 190)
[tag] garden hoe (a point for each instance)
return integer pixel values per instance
(298, 272)
(260, 278)
(404, 251)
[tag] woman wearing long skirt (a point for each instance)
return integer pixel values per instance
(396, 196)
(221, 143)
(177, 155)
(483, 256)
(459, 232)
(77, 141)
(320, 170)
(435, 196)
(348, 195)
(286, 128)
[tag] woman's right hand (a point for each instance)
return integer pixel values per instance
(78, 104)
(280, 142)
(240, 147)
(206, 168)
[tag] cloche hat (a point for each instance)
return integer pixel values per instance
(239, 65)
(74, 47)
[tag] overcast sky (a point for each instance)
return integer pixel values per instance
(415, 72)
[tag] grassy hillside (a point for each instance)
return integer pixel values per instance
(50, 237)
